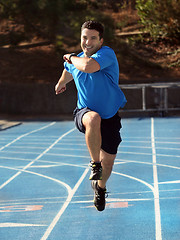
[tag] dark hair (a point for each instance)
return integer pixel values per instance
(94, 26)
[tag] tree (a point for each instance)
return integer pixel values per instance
(53, 19)
(160, 18)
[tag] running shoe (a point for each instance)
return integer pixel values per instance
(99, 196)
(96, 171)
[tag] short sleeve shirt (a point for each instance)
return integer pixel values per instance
(100, 90)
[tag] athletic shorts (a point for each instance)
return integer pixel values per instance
(110, 130)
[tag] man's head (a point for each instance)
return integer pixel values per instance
(93, 25)
(91, 37)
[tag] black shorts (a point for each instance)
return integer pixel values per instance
(110, 130)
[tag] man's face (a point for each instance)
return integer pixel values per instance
(90, 41)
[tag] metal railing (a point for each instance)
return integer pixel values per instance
(148, 97)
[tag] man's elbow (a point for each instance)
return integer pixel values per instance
(90, 68)
(87, 69)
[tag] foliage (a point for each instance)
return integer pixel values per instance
(55, 20)
(160, 18)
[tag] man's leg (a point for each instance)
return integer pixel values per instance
(110, 133)
(92, 123)
(107, 162)
(99, 186)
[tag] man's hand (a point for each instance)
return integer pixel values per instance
(66, 58)
(65, 78)
(59, 88)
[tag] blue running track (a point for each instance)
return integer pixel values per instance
(45, 191)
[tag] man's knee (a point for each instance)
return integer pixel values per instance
(91, 119)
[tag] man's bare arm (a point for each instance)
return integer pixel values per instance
(65, 78)
(83, 64)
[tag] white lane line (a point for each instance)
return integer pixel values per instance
(122, 146)
(170, 182)
(18, 168)
(118, 161)
(109, 200)
(164, 142)
(68, 155)
(16, 158)
(55, 148)
(27, 147)
(85, 150)
(136, 179)
(44, 176)
(146, 147)
(35, 152)
(57, 201)
(165, 138)
(20, 152)
(147, 163)
(32, 162)
(156, 187)
(3, 225)
(9, 180)
(148, 154)
(59, 214)
(26, 134)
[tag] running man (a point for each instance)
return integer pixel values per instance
(96, 75)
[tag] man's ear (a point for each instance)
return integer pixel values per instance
(102, 40)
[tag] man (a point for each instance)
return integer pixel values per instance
(96, 75)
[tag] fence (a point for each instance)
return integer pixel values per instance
(40, 99)
(154, 97)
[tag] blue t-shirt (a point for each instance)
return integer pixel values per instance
(99, 91)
